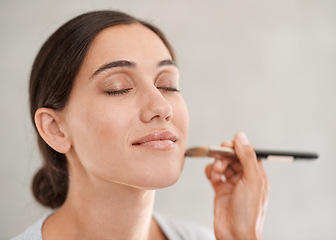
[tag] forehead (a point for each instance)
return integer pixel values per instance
(133, 42)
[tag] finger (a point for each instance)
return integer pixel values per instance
(266, 181)
(246, 156)
(208, 170)
(265, 187)
(216, 174)
(215, 171)
(262, 169)
(235, 178)
(213, 177)
(219, 167)
(229, 173)
(264, 176)
(228, 144)
(236, 166)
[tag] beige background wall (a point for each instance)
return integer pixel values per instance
(264, 67)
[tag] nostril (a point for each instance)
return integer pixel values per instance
(156, 116)
(168, 118)
(156, 108)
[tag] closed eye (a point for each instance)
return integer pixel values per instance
(119, 92)
(168, 89)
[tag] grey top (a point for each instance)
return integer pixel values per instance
(172, 228)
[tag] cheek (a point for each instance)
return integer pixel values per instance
(181, 117)
(98, 132)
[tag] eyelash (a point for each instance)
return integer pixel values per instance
(168, 89)
(119, 92)
(124, 91)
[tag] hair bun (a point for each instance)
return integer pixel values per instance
(50, 189)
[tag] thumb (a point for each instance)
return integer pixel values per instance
(246, 155)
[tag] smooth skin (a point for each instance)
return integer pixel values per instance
(112, 179)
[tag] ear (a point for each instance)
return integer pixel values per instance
(48, 125)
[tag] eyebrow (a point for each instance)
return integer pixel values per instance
(115, 64)
(167, 62)
(129, 64)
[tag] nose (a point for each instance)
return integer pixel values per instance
(155, 107)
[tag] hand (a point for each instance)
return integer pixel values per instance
(241, 197)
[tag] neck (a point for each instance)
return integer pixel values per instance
(96, 208)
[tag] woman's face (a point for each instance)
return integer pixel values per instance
(126, 119)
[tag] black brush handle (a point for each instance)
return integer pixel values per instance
(295, 155)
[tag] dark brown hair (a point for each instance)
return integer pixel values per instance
(51, 81)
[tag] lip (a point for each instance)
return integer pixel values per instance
(157, 139)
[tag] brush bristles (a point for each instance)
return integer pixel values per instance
(197, 152)
(206, 151)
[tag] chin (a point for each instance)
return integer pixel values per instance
(165, 181)
(162, 176)
(156, 169)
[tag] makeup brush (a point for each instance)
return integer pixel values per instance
(270, 155)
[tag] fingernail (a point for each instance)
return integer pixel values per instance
(218, 164)
(216, 177)
(243, 139)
